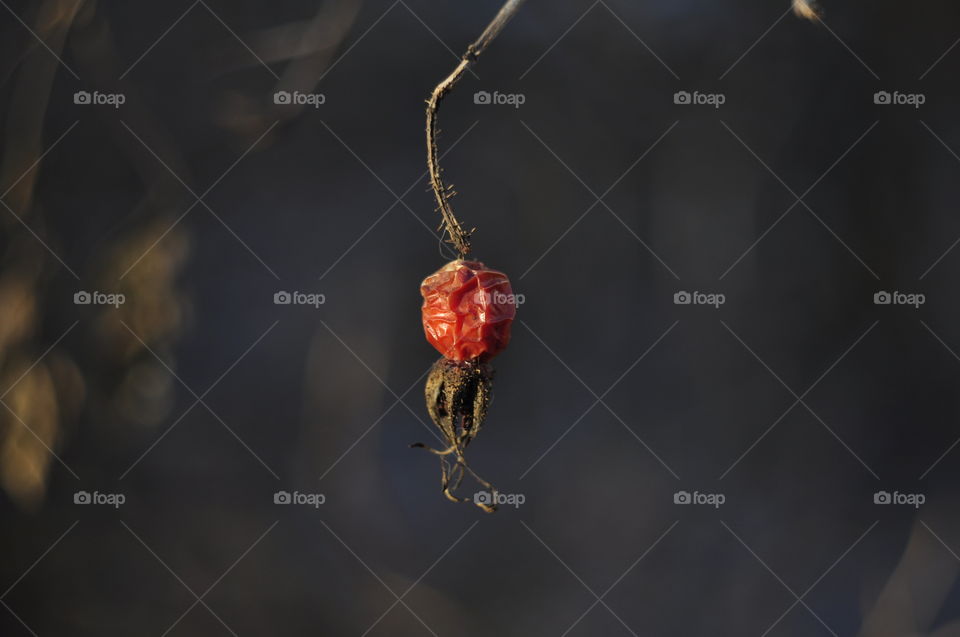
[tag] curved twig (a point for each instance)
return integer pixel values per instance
(458, 236)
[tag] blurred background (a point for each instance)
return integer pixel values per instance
(198, 158)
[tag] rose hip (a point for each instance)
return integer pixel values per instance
(467, 310)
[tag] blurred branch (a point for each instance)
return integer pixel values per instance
(308, 46)
(23, 130)
(126, 383)
(913, 596)
(42, 391)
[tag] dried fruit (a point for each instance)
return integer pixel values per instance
(467, 310)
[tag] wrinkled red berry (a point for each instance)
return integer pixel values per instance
(467, 310)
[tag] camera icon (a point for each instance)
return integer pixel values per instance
(282, 298)
(82, 298)
(881, 497)
(484, 298)
(482, 97)
(282, 97)
(681, 497)
(81, 497)
(282, 497)
(682, 298)
(882, 97)
(882, 298)
(682, 97)
(82, 97)
(483, 497)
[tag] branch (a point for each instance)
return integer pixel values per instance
(458, 236)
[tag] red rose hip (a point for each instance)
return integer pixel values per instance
(467, 310)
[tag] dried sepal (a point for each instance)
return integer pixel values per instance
(458, 395)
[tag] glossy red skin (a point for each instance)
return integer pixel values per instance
(467, 310)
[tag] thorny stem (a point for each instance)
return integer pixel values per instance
(458, 236)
